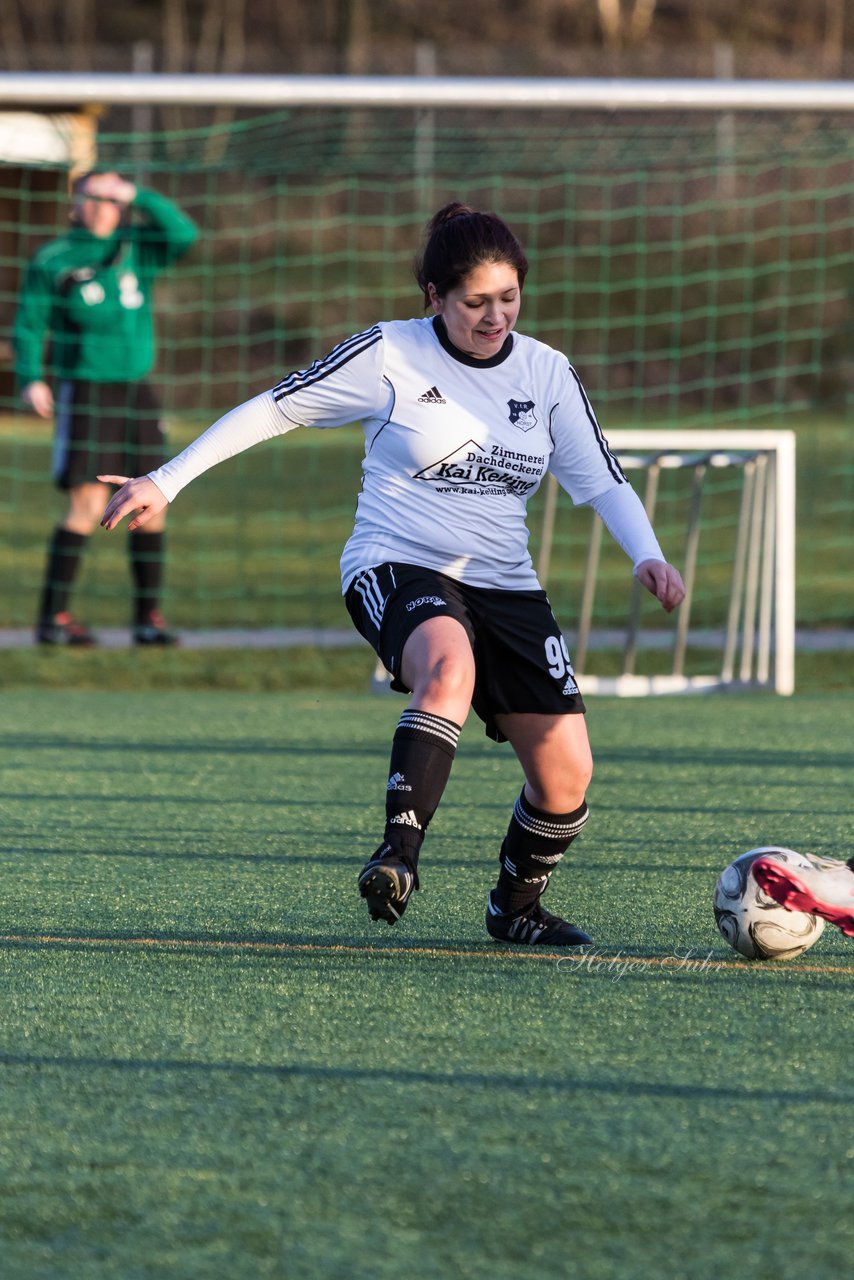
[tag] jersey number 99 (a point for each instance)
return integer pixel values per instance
(557, 656)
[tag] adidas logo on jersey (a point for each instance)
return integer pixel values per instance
(432, 396)
(569, 687)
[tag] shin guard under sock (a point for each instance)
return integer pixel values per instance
(64, 553)
(146, 561)
(422, 753)
(535, 843)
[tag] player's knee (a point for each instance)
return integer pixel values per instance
(584, 774)
(579, 772)
(80, 520)
(556, 799)
(565, 790)
(85, 507)
(448, 677)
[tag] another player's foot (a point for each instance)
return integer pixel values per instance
(154, 631)
(62, 629)
(534, 926)
(825, 889)
(386, 883)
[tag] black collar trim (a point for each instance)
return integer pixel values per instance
(472, 361)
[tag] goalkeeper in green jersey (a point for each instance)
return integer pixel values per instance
(86, 298)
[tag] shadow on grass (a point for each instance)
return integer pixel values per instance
(717, 756)
(359, 848)
(222, 747)
(407, 1078)
(725, 757)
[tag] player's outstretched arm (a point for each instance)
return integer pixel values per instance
(663, 581)
(140, 495)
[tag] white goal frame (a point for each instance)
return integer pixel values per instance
(518, 93)
(757, 646)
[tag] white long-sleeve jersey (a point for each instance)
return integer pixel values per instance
(454, 448)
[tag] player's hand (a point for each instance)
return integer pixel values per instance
(141, 495)
(110, 186)
(39, 397)
(663, 581)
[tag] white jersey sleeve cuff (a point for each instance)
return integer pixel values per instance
(250, 423)
(626, 520)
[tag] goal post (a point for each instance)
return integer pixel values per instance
(754, 643)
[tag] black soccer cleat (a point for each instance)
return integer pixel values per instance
(386, 883)
(534, 927)
(62, 629)
(153, 631)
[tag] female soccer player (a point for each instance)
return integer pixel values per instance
(462, 417)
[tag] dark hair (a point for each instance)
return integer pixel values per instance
(78, 182)
(459, 239)
(80, 179)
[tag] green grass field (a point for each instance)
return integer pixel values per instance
(214, 1066)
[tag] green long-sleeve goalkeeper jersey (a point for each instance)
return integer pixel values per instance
(91, 297)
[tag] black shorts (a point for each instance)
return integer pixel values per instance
(521, 659)
(105, 428)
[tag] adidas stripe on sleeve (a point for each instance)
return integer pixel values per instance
(581, 459)
(342, 387)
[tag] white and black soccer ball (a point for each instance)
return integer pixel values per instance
(754, 924)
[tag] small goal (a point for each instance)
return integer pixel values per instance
(727, 499)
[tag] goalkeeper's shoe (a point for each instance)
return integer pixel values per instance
(153, 630)
(62, 629)
(386, 883)
(533, 927)
(825, 888)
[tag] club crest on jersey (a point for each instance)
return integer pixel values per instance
(522, 414)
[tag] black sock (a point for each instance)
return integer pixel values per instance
(535, 843)
(146, 560)
(422, 753)
(64, 552)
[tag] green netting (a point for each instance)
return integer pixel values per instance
(696, 269)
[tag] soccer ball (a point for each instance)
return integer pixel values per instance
(754, 924)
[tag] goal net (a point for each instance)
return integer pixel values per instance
(693, 263)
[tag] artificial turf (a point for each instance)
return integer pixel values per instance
(213, 1065)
